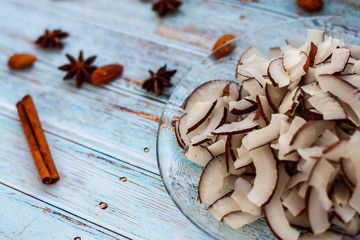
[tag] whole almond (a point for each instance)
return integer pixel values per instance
(106, 74)
(311, 5)
(219, 51)
(21, 60)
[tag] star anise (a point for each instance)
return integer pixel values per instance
(80, 68)
(165, 6)
(51, 39)
(157, 81)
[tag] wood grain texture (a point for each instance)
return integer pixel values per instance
(138, 55)
(290, 8)
(26, 217)
(108, 121)
(195, 27)
(97, 134)
(135, 207)
(119, 114)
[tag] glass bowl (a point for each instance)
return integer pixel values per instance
(180, 176)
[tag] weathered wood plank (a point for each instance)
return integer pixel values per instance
(118, 120)
(137, 208)
(195, 27)
(113, 119)
(137, 20)
(136, 54)
(111, 122)
(290, 8)
(112, 111)
(180, 28)
(23, 217)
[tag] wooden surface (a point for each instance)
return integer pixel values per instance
(97, 135)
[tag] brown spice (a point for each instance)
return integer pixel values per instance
(80, 69)
(221, 50)
(106, 74)
(51, 39)
(21, 60)
(37, 142)
(164, 7)
(311, 5)
(157, 81)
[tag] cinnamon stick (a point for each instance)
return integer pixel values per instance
(37, 142)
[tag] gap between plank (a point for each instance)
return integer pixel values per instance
(100, 224)
(14, 117)
(155, 39)
(263, 8)
(10, 111)
(117, 89)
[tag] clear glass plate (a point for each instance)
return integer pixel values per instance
(181, 176)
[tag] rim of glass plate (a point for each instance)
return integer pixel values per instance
(300, 19)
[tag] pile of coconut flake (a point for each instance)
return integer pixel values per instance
(286, 143)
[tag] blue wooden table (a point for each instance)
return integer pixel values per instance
(103, 137)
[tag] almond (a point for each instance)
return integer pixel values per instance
(21, 60)
(219, 49)
(106, 74)
(311, 5)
